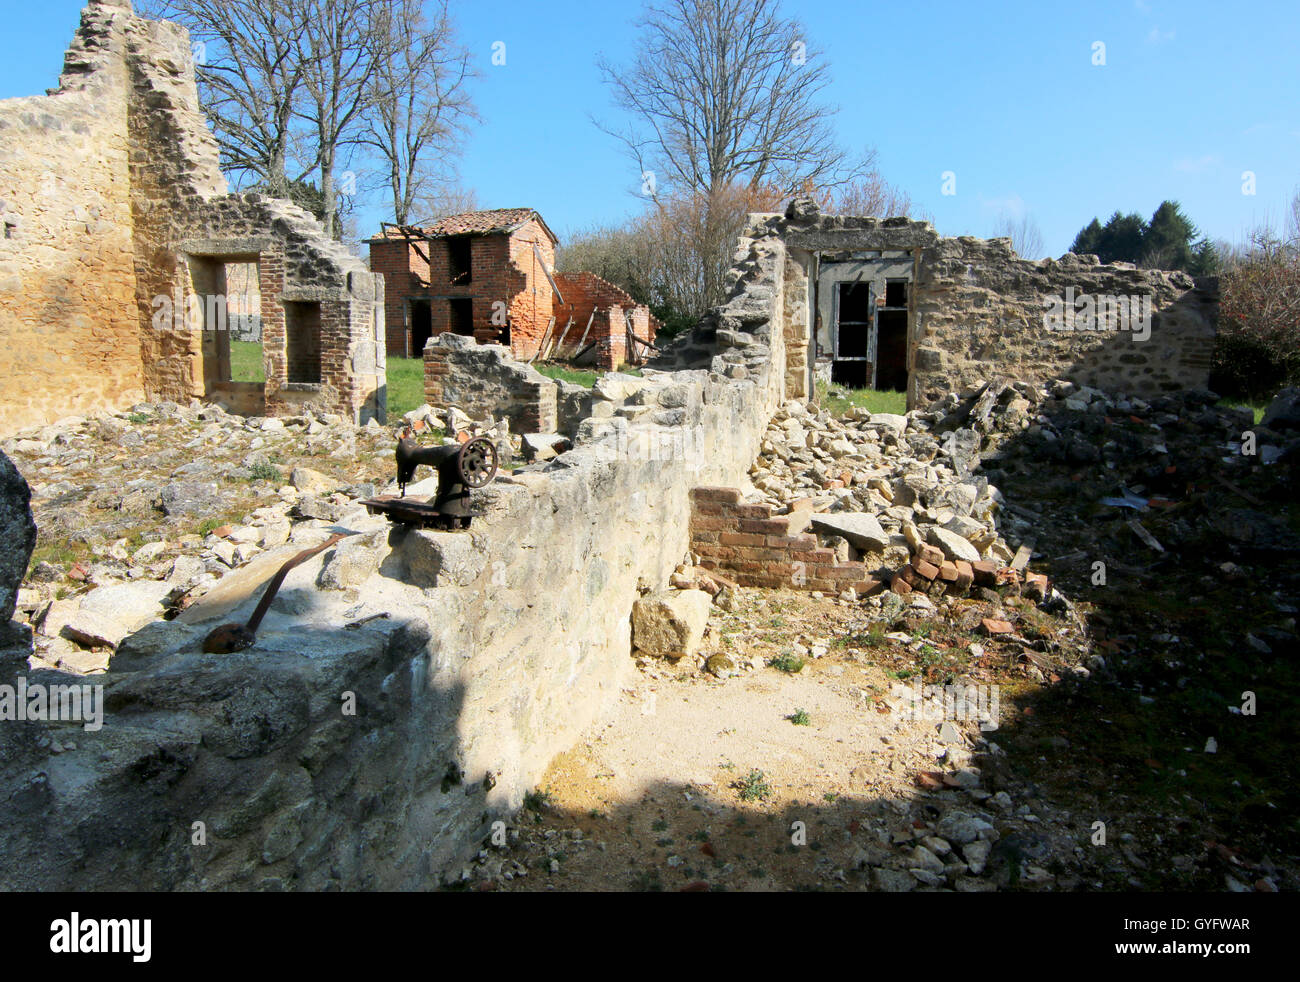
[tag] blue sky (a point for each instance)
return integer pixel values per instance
(1004, 95)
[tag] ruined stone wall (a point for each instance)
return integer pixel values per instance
(980, 312)
(495, 649)
(977, 309)
(69, 335)
(484, 380)
(101, 311)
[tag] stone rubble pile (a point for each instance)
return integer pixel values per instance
(897, 490)
(912, 493)
(144, 488)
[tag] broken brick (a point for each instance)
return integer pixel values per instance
(931, 554)
(927, 571)
(992, 626)
(985, 572)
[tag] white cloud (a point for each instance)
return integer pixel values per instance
(1158, 36)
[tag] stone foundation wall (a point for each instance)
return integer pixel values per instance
(351, 752)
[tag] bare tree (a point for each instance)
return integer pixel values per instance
(726, 92)
(724, 102)
(420, 104)
(1024, 233)
(250, 78)
(340, 49)
(442, 200)
(868, 194)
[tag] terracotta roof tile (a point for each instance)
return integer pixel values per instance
(491, 222)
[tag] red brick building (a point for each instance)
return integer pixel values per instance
(491, 275)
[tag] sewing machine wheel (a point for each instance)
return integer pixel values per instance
(478, 462)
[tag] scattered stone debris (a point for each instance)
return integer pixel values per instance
(142, 512)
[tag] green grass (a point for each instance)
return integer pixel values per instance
(1255, 406)
(405, 385)
(566, 374)
(788, 663)
(839, 400)
(246, 362)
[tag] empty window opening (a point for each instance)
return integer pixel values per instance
(302, 341)
(11, 229)
(896, 293)
(853, 329)
(459, 265)
(462, 316)
(421, 327)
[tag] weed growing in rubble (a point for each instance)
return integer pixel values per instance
(873, 638)
(754, 787)
(139, 418)
(536, 800)
(800, 717)
(262, 471)
(786, 662)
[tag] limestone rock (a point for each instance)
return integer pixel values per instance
(189, 498)
(311, 481)
(670, 623)
(953, 545)
(108, 614)
(861, 530)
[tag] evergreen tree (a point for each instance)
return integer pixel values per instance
(1085, 243)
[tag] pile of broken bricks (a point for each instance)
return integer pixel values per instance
(932, 573)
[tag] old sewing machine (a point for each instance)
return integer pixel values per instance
(461, 468)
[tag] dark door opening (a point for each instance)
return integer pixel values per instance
(891, 351)
(853, 328)
(462, 316)
(891, 338)
(421, 327)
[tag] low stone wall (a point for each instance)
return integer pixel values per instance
(980, 312)
(484, 380)
(408, 687)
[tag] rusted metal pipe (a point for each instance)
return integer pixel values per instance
(229, 638)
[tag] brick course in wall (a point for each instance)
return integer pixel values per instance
(759, 549)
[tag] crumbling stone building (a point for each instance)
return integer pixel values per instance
(491, 275)
(891, 304)
(119, 238)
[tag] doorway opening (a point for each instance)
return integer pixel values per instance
(853, 327)
(421, 320)
(891, 338)
(462, 316)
